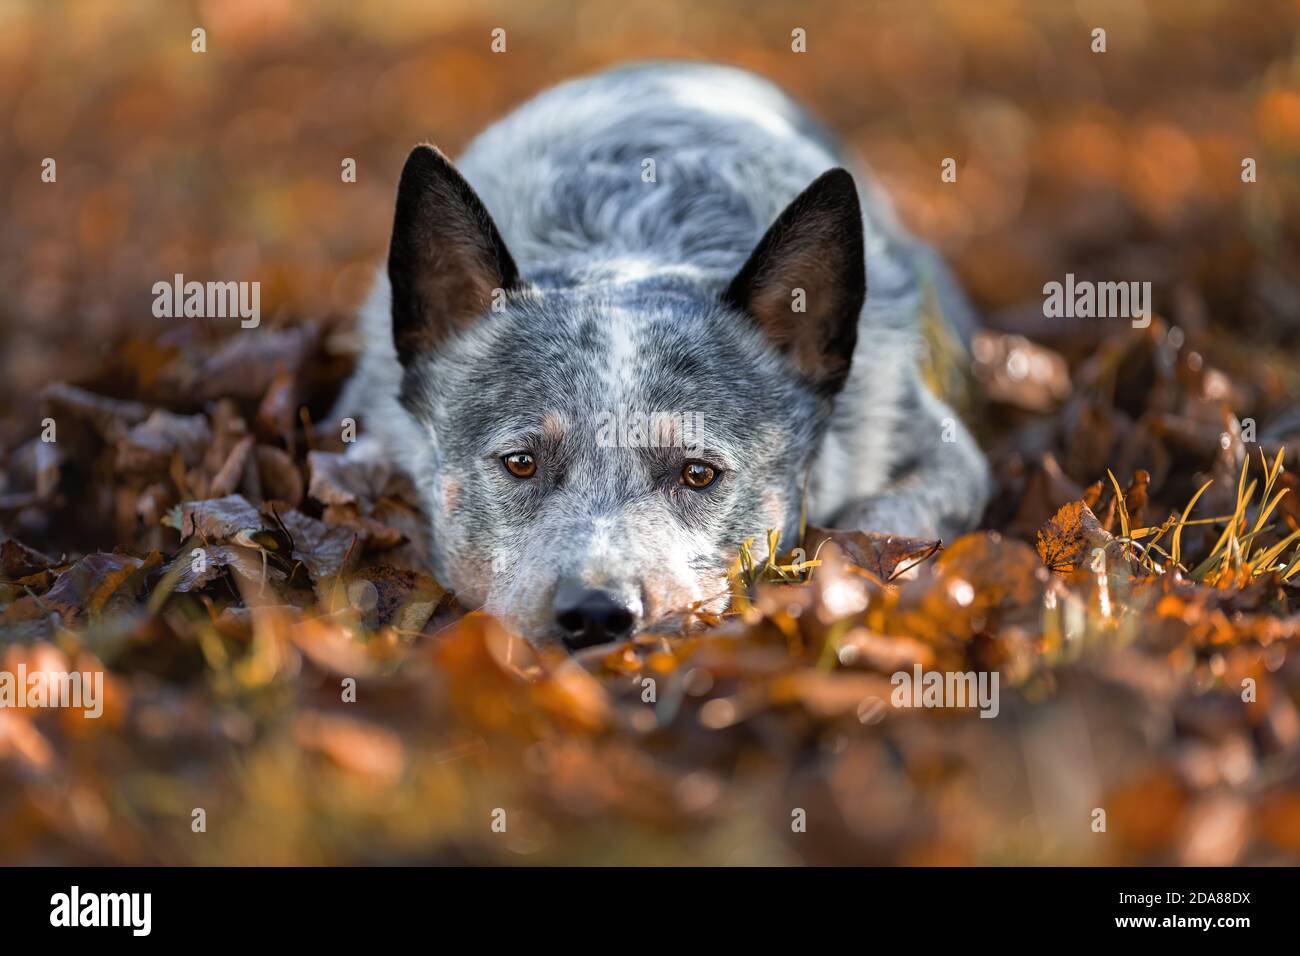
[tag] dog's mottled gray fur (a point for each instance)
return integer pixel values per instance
(622, 293)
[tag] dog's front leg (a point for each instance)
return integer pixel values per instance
(938, 489)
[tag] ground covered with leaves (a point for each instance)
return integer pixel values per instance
(278, 656)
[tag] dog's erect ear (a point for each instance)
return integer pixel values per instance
(446, 259)
(805, 282)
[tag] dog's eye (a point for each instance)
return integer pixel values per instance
(520, 464)
(696, 474)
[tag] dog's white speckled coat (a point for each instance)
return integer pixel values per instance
(620, 305)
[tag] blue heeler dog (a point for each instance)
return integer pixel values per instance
(670, 240)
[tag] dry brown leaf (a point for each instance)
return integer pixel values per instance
(1070, 537)
(884, 555)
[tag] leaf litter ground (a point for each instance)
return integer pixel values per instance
(1136, 591)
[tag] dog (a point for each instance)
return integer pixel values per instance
(630, 330)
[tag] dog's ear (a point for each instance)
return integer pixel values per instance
(805, 282)
(446, 259)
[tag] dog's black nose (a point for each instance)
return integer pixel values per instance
(589, 616)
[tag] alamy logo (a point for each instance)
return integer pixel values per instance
(628, 428)
(1101, 300)
(134, 910)
(209, 300)
(958, 689)
(75, 689)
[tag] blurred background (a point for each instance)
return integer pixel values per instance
(1122, 165)
(226, 164)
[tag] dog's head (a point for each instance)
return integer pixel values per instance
(598, 451)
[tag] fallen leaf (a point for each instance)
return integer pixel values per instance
(1069, 538)
(884, 555)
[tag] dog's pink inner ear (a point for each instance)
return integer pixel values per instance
(805, 282)
(446, 261)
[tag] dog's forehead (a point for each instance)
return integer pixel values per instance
(577, 355)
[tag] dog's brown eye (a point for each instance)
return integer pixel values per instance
(697, 474)
(520, 464)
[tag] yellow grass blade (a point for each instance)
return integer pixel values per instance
(1123, 507)
(1261, 564)
(1176, 550)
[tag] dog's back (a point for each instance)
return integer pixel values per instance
(672, 164)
